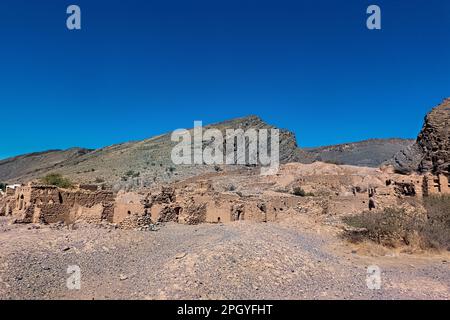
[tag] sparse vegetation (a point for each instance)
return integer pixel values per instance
(401, 171)
(298, 191)
(333, 161)
(132, 174)
(393, 227)
(388, 227)
(56, 179)
(437, 230)
(282, 190)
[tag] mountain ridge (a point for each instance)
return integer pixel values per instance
(143, 162)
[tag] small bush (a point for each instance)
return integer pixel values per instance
(56, 179)
(2, 186)
(282, 190)
(132, 174)
(298, 191)
(333, 161)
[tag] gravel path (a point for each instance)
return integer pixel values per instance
(241, 260)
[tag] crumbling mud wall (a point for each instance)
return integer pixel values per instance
(131, 210)
(7, 203)
(315, 189)
(436, 184)
(48, 204)
(266, 199)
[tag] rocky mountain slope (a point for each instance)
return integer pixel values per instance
(431, 151)
(34, 163)
(370, 153)
(143, 163)
(139, 163)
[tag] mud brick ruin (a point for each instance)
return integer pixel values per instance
(436, 185)
(34, 203)
(329, 189)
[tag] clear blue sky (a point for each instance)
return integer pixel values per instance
(140, 68)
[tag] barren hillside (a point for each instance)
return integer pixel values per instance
(370, 153)
(139, 163)
(34, 164)
(147, 162)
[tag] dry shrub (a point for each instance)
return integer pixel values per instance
(390, 227)
(56, 179)
(298, 191)
(436, 232)
(394, 227)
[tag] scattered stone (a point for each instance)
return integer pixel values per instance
(181, 255)
(123, 277)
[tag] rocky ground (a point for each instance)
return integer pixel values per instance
(298, 259)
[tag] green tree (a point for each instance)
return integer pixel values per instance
(56, 179)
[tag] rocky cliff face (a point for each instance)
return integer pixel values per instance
(431, 152)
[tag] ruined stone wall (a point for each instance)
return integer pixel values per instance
(263, 199)
(7, 204)
(50, 213)
(135, 220)
(9, 191)
(94, 214)
(123, 210)
(435, 185)
(49, 204)
(132, 210)
(192, 212)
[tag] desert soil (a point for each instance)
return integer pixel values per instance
(243, 260)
